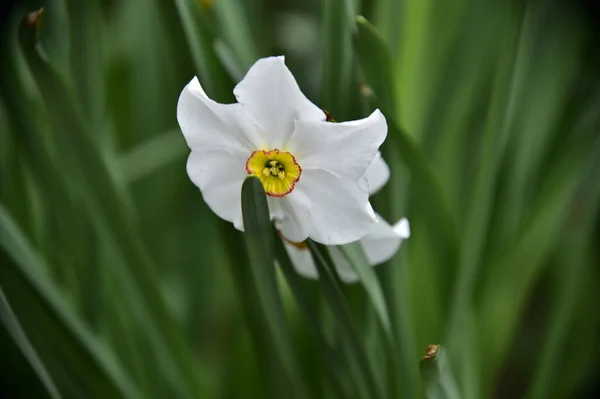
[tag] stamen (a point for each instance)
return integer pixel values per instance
(266, 172)
(281, 175)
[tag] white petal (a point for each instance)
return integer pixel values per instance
(340, 210)
(295, 222)
(402, 228)
(343, 149)
(342, 266)
(302, 261)
(219, 175)
(270, 91)
(305, 266)
(383, 241)
(377, 174)
(275, 210)
(208, 124)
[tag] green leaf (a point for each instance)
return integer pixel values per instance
(153, 155)
(236, 30)
(376, 62)
(337, 57)
(77, 363)
(341, 310)
(87, 62)
(297, 284)
(562, 309)
(14, 329)
(109, 207)
(437, 377)
(513, 274)
(200, 38)
(357, 259)
(259, 246)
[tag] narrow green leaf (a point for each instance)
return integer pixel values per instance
(562, 311)
(437, 377)
(78, 364)
(16, 332)
(357, 259)
(297, 285)
(374, 57)
(87, 63)
(259, 245)
(108, 205)
(376, 62)
(268, 371)
(337, 57)
(200, 41)
(341, 310)
(153, 155)
(429, 204)
(513, 274)
(235, 29)
(229, 61)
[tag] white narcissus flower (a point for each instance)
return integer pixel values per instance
(312, 170)
(380, 244)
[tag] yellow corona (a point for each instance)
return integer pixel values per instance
(277, 170)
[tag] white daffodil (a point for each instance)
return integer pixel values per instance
(312, 170)
(379, 245)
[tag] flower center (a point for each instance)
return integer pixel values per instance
(277, 170)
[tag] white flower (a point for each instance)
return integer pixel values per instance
(379, 244)
(312, 170)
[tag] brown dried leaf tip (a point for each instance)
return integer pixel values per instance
(431, 351)
(328, 116)
(33, 18)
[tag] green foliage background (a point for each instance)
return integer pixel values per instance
(117, 281)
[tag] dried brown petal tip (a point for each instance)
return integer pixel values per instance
(33, 18)
(431, 351)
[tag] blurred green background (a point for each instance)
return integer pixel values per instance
(116, 280)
